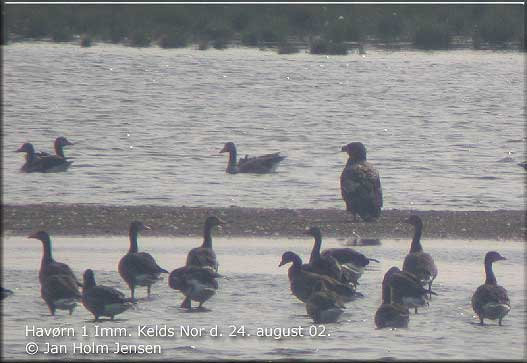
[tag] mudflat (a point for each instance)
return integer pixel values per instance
(96, 220)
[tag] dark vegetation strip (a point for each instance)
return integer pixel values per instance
(91, 219)
(323, 28)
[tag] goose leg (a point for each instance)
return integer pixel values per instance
(430, 289)
(71, 311)
(148, 290)
(186, 304)
(415, 310)
(499, 321)
(132, 292)
(481, 321)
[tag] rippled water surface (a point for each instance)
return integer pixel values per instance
(254, 293)
(445, 129)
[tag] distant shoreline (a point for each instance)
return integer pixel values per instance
(99, 220)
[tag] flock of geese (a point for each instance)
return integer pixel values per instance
(324, 284)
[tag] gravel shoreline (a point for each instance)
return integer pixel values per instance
(99, 220)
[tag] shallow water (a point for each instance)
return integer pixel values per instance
(148, 125)
(255, 294)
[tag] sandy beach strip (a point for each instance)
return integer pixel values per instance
(99, 220)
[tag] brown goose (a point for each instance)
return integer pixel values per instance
(304, 283)
(48, 266)
(257, 164)
(391, 314)
(491, 301)
(360, 184)
(352, 262)
(204, 256)
(139, 268)
(406, 289)
(58, 145)
(196, 283)
(44, 164)
(417, 262)
(60, 292)
(324, 265)
(102, 300)
(324, 306)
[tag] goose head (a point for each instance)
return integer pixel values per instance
(356, 151)
(26, 148)
(228, 147)
(493, 256)
(288, 257)
(40, 235)
(414, 220)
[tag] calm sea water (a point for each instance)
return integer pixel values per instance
(255, 294)
(445, 129)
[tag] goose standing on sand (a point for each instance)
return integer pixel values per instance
(490, 301)
(303, 283)
(196, 283)
(204, 256)
(417, 262)
(139, 268)
(60, 292)
(324, 306)
(360, 184)
(48, 266)
(257, 164)
(324, 265)
(406, 289)
(102, 300)
(391, 314)
(42, 164)
(352, 262)
(58, 145)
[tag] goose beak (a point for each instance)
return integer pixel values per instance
(344, 148)
(221, 222)
(19, 150)
(34, 235)
(147, 227)
(502, 258)
(224, 150)
(281, 263)
(306, 231)
(69, 143)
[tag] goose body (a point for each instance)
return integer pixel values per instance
(324, 306)
(196, 283)
(323, 265)
(204, 256)
(352, 262)
(258, 164)
(490, 300)
(139, 268)
(417, 262)
(60, 292)
(42, 164)
(5, 293)
(304, 283)
(48, 266)
(102, 300)
(360, 184)
(391, 314)
(406, 289)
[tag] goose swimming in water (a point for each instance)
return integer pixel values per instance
(304, 283)
(196, 283)
(360, 184)
(60, 292)
(351, 262)
(139, 268)
(204, 256)
(5, 293)
(391, 314)
(257, 164)
(324, 265)
(417, 262)
(42, 164)
(102, 300)
(491, 301)
(324, 306)
(58, 145)
(48, 266)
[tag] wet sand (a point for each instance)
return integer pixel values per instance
(98, 220)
